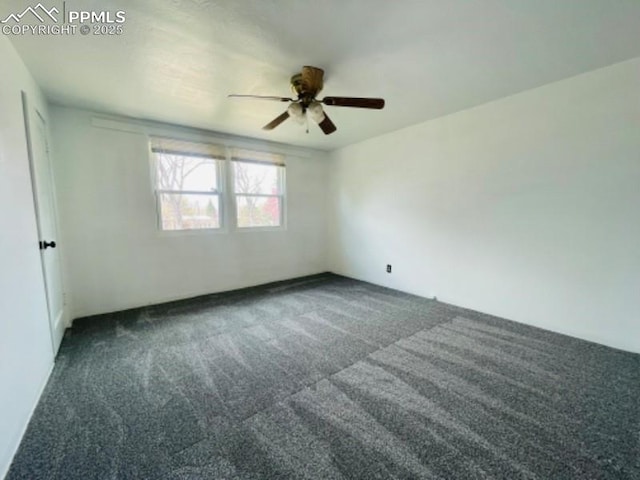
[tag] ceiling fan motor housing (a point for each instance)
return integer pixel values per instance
(307, 84)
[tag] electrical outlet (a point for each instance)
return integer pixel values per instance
(388, 268)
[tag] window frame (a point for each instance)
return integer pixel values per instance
(224, 157)
(281, 195)
(218, 193)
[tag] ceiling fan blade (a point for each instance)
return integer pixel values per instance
(311, 78)
(262, 97)
(327, 126)
(276, 121)
(376, 103)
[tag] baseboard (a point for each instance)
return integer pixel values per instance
(4, 473)
(629, 347)
(179, 298)
(60, 326)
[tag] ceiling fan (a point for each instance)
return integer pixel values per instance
(306, 85)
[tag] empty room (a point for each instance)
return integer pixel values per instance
(290, 239)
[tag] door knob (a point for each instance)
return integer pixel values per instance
(45, 245)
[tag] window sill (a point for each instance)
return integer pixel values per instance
(260, 229)
(192, 231)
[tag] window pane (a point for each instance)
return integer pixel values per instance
(186, 212)
(258, 211)
(180, 172)
(253, 178)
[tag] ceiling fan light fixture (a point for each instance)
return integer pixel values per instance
(316, 112)
(296, 112)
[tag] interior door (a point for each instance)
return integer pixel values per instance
(44, 201)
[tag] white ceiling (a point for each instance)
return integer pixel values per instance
(177, 60)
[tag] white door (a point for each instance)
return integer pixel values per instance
(43, 197)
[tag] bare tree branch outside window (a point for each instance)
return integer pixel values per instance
(257, 194)
(180, 173)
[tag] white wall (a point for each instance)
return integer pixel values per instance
(527, 207)
(118, 259)
(26, 354)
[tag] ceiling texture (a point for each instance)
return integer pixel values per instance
(177, 60)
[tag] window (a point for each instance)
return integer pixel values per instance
(258, 186)
(188, 184)
(190, 179)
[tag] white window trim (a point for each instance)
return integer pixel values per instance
(227, 211)
(218, 192)
(282, 196)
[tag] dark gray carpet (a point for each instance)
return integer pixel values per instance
(329, 378)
